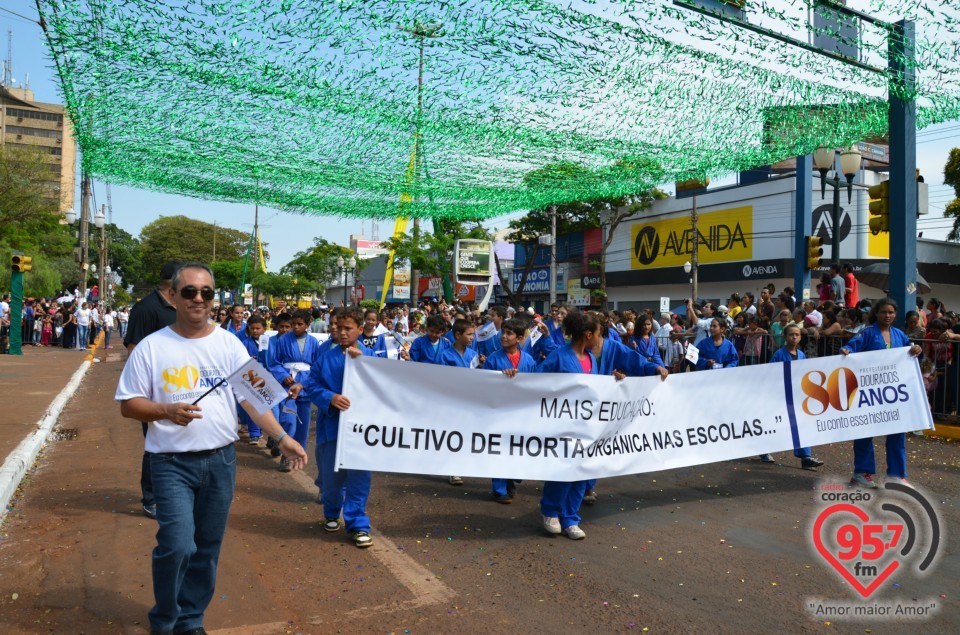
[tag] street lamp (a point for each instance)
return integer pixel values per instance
(691, 270)
(100, 221)
(345, 266)
(824, 159)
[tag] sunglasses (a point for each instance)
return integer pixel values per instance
(190, 292)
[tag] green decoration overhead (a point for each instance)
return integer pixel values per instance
(311, 106)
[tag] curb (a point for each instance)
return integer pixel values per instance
(17, 463)
(944, 430)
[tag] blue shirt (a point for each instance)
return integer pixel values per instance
(725, 354)
(871, 339)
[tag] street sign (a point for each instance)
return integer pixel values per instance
(664, 305)
(590, 281)
(473, 260)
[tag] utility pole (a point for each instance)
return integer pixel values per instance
(694, 250)
(84, 233)
(553, 255)
(103, 256)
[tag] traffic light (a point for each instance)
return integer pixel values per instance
(20, 263)
(814, 251)
(880, 208)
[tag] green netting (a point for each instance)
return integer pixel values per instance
(312, 106)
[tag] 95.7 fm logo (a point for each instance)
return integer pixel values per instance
(874, 541)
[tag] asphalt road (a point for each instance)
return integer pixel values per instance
(724, 547)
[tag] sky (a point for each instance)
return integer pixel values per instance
(285, 233)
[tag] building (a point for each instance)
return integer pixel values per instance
(746, 241)
(25, 123)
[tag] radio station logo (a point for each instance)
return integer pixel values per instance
(872, 540)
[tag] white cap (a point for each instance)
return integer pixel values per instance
(530, 311)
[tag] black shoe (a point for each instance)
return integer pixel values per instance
(766, 458)
(192, 631)
(810, 463)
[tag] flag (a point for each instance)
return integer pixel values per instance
(486, 331)
(252, 382)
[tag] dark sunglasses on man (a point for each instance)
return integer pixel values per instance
(190, 292)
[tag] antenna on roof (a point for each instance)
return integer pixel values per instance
(8, 64)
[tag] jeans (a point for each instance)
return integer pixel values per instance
(193, 493)
(864, 460)
(146, 483)
(83, 334)
(106, 336)
(123, 329)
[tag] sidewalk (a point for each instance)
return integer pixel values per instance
(29, 383)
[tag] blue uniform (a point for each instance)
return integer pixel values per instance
(725, 354)
(489, 346)
(542, 349)
(423, 351)
(782, 355)
(452, 357)
(617, 356)
(253, 348)
(563, 500)
(648, 349)
(499, 361)
(343, 490)
(556, 332)
(286, 360)
(241, 332)
(864, 461)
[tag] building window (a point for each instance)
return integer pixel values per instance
(34, 114)
(36, 132)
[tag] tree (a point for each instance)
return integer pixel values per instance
(638, 173)
(228, 274)
(951, 177)
(182, 238)
(314, 268)
(124, 253)
(30, 222)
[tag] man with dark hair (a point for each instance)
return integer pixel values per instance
(152, 313)
(837, 285)
(191, 443)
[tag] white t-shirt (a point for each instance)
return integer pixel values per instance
(123, 316)
(703, 329)
(4, 311)
(108, 320)
(167, 368)
(83, 317)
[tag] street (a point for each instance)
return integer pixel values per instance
(723, 547)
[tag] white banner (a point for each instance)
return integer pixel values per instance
(572, 427)
(252, 382)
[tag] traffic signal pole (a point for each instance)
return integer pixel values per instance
(16, 313)
(903, 168)
(803, 225)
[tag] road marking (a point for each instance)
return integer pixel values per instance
(417, 579)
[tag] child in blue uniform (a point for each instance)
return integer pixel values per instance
(281, 324)
(256, 325)
(376, 343)
(510, 359)
(619, 360)
(490, 346)
(429, 349)
(716, 352)
(790, 352)
(290, 363)
(561, 501)
(345, 490)
(462, 354)
(880, 335)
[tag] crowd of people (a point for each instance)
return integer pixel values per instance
(68, 321)
(178, 334)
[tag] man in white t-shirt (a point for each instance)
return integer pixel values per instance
(192, 464)
(82, 316)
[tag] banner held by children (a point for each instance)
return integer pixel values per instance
(575, 427)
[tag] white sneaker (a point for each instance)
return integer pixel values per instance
(897, 479)
(456, 480)
(552, 525)
(862, 478)
(574, 532)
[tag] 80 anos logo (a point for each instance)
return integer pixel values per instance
(841, 388)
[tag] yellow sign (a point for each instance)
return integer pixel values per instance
(723, 236)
